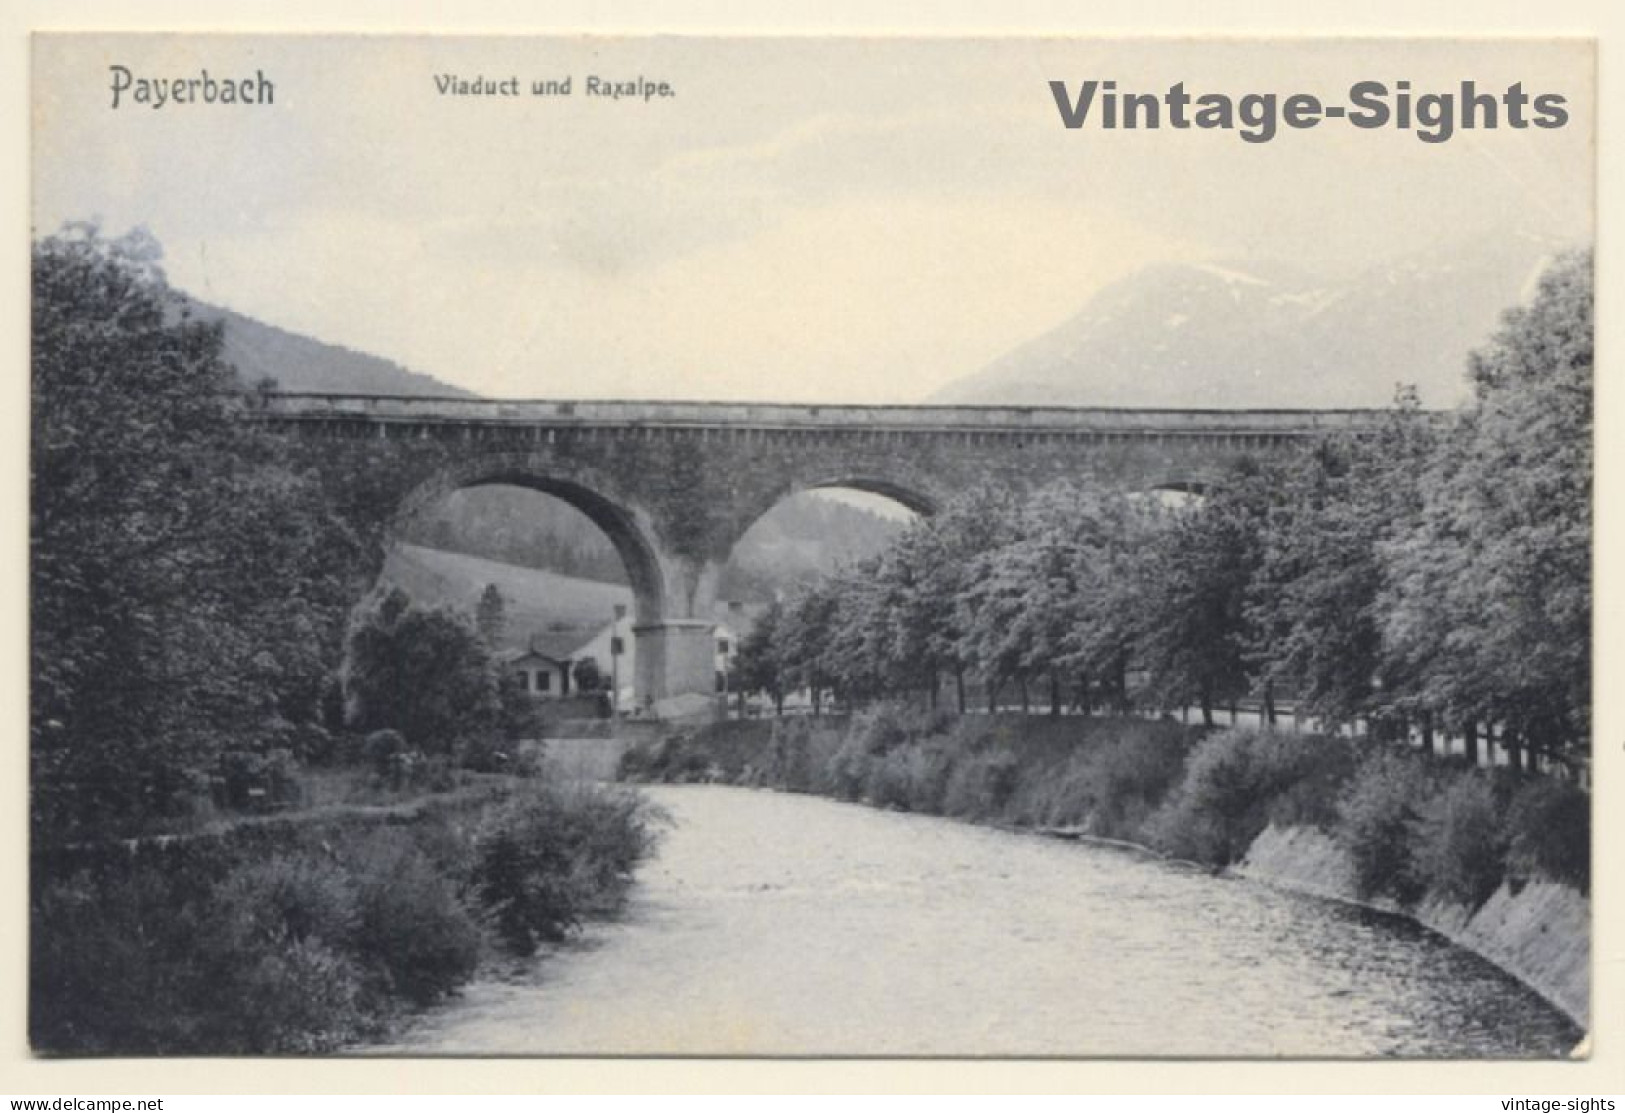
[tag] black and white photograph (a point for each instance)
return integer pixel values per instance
(1042, 547)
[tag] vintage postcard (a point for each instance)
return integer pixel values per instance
(997, 547)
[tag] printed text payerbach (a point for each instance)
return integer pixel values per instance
(199, 88)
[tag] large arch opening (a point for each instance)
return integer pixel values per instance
(555, 576)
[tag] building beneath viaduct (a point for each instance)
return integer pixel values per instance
(674, 485)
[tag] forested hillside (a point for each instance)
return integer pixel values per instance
(301, 363)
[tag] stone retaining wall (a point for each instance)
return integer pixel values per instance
(1539, 932)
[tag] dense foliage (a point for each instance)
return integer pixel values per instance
(188, 582)
(1409, 827)
(313, 934)
(425, 673)
(1431, 574)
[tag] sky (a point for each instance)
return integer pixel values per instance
(855, 220)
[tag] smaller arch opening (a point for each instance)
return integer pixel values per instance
(812, 531)
(1178, 493)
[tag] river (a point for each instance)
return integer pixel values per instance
(774, 924)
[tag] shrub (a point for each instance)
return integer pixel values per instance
(313, 744)
(110, 965)
(524, 876)
(294, 995)
(887, 782)
(547, 858)
(1232, 780)
(246, 780)
(260, 939)
(846, 773)
(613, 831)
(482, 753)
(1460, 840)
(790, 762)
(381, 748)
(434, 774)
(293, 896)
(807, 755)
(1109, 778)
(1324, 766)
(638, 763)
(1377, 812)
(927, 768)
(151, 960)
(410, 922)
(681, 761)
(1550, 824)
(275, 958)
(980, 785)
(883, 728)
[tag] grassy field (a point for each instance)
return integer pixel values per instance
(536, 601)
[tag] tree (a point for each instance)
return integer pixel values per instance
(187, 581)
(1315, 601)
(757, 665)
(587, 675)
(1193, 632)
(807, 639)
(970, 524)
(422, 672)
(490, 615)
(1026, 597)
(1490, 585)
(1106, 621)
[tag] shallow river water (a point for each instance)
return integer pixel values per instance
(773, 924)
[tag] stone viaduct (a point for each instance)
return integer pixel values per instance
(674, 485)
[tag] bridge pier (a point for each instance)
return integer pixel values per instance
(676, 668)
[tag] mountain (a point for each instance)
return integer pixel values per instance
(1264, 333)
(301, 363)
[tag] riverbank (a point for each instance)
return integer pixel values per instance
(1538, 931)
(307, 931)
(784, 924)
(1497, 863)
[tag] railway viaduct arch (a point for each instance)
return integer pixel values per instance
(674, 485)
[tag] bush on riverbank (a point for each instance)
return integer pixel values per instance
(1551, 833)
(302, 937)
(1460, 839)
(1102, 776)
(1379, 813)
(547, 860)
(1410, 824)
(1235, 783)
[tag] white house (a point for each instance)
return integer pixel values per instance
(546, 663)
